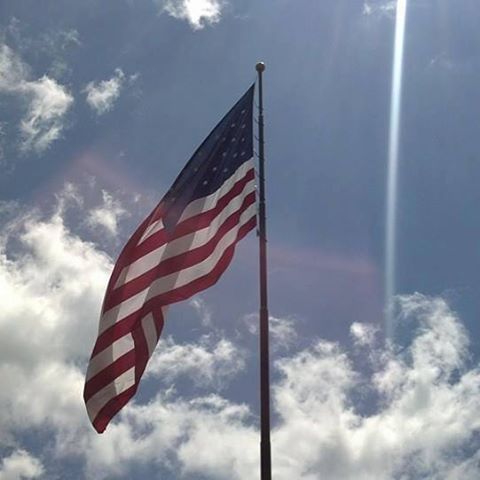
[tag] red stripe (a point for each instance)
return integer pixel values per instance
(159, 321)
(202, 283)
(114, 405)
(130, 247)
(116, 331)
(141, 351)
(125, 325)
(108, 375)
(112, 408)
(191, 224)
(178, 262)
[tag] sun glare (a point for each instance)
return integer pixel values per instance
(393, 155)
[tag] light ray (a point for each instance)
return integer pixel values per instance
(393, 154)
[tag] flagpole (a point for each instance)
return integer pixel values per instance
(265, 450)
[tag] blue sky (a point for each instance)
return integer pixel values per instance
(102, 103)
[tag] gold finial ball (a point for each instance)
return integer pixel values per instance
(260, 67)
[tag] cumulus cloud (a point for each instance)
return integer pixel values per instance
(208, 436)
(20, 465)
(423, 405)
(207, 362)
(101, 96)
(412, 414)
(282, 330)
(107, 215)
(52, 284)
(363, 334)
(424, 423)
(47, 102)
(198, 13)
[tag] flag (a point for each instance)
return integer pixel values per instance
(181, 248)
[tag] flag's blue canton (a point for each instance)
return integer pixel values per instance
(228, 146)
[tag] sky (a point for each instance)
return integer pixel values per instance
(101, 105)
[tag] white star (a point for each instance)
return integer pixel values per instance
(243, 139)
(233, 139)
(224, 154)
(235, 155)
(242, 154)
(205, 182)
(243, 111)
(225, 170)
(214, 169)
(243, 125)
(233, 125)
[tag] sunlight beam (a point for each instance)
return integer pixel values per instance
(393, 154)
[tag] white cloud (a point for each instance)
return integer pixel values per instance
(363, 334)
(101, 96)
(282, 331)
(443, 61)
(12, 69)
(425, 419)
(414, 416)
(107, 215)
(68, 197)
(20, 465)
(209, 436)
(198, 13)
(47, 102)
(207, 362)
(52, 284)
(43, 122)
(422, 427)
(380, 8)
(202, 310)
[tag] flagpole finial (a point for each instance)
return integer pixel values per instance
(260, 67)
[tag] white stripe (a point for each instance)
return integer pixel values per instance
(150, 332)
(205, 203)
(176, 279)
(183, 244)
(106, 357)
(119, 312)
(103, 396)
(151, 229)
(187, 275)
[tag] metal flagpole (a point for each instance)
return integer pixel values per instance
(265, 451)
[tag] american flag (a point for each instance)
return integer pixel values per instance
(181, 248)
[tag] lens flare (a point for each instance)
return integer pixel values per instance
(393, 154)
